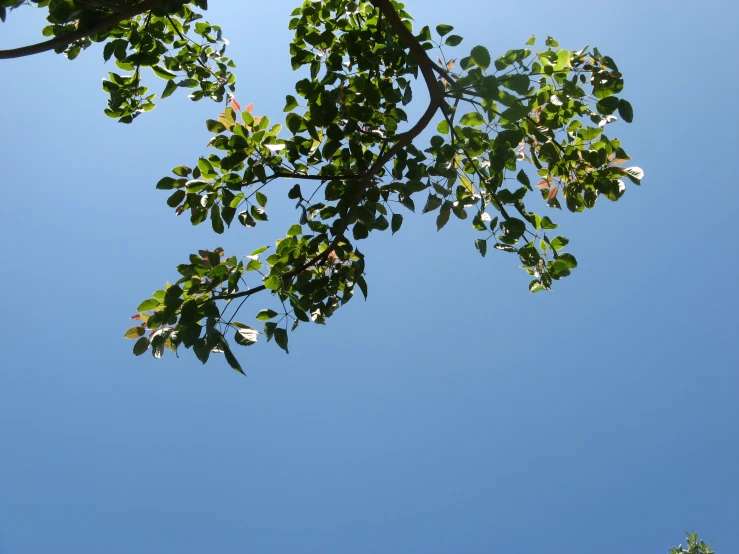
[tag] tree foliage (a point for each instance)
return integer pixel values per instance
(507, 134)
(694, 546)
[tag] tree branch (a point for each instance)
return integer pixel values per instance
(288, 175)
(241, 294)
(436, 93)
(125, 12)
(426, 65)
(104, 4)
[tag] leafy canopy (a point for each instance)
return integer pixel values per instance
(510, 131)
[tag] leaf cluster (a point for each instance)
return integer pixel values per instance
(506, 123)
(514, 128)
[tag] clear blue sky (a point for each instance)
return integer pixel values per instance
(452, 412)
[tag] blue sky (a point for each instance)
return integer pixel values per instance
(453, 411)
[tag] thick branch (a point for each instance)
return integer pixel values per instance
(436, 98)
(125, 12)
(426, 65)
(104, 4)
(436, 94)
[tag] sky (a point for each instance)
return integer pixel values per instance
(453, 411)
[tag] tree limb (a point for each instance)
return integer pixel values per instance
(104, 4)
(436, 93)
(125, 12)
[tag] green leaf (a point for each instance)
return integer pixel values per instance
(141, 346)
(290, 103)
(568, 259)
(482, 246)
(230, 358)
(294, 230)
(202, 349)
(547, 224)
(513, 228)
(181, 171)
(134, 332)
(174, 200)
(258, 213)
(432, 203)
(531, 40)
(453, 40)
(148, 305)
(407, 202)
(625, 111)
(443, 127)
(107, 51)
(254, 265)
(529, 255)
(246, 219)
(407, 95)
(160, 71)
(294, 192)
(272, 282)
(216, 220)
(535, 286)
(167, 183)
(360, 231)
(169, 88)
(607, 106)
(269, 330)
(635, 174)
(261, 198)
(442, 218)
(396, 222)
(472, 119)
(195, 185)
(266, 314)
(158, 340)
(557, 243)
(551, 42)
(515, 113)
(516, 83)
(281, 339)
(563, 60)
(424, 35)
(444, 29)
(259, 250)
(215, 126)
(522, 178)
(362, 284)
(246, 336)
(480, 56)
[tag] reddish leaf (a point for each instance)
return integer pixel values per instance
(136, 316)
(235, 104)
(552, 193)
(249, 108)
